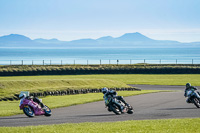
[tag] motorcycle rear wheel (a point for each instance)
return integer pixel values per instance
(115, 110)
(28, 111)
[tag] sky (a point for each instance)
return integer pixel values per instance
(68, 20)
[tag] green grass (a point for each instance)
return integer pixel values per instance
(152, 79)
(8, 108)
(134, 126)
(12, 85)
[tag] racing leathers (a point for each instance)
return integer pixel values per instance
(191, 88)
(113, 93)
(35, 99)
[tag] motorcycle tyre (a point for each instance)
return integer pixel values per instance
(47, 113)
(28, 114)
(114, 110)
(196, 102)
(130, 110)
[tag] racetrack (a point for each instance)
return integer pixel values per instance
(163, 105)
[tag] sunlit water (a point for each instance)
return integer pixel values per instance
(48, 56)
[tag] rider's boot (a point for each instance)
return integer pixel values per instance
(122, 108)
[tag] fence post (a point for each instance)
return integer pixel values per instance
(50, 62)
(109, 62)
(100, 62)
(43, 62)
(192, 61)
(32, 62)
(176, 61)
(144, 61)
(87, 62)
(10, 62)
(74, 62)
(160, 61)
(117, 62)
(130, 61)
(22, 62)
(61, 62)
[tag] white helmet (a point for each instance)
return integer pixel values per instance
(22, 95)
(104, 90)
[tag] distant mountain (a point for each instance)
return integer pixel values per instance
(14, 38)
(136, 40)
(48, 41)
(83, 42)
(105, 38)
(134, 37)
(126, 40)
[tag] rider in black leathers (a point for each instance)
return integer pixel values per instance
(113, 93)
(188, 88)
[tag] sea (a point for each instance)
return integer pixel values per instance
(103, 55)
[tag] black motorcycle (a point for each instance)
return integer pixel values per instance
(115, 105)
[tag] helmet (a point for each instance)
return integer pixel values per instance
(104, 90)
(188, 85)
(22, 95)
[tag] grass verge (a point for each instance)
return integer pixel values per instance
(8, 108)
(151, 79)
(141, 126)
(12, 85)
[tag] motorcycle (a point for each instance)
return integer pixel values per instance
(193, 98)
(115, 105)
(31, 108)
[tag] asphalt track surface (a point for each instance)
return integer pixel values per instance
(163, 105)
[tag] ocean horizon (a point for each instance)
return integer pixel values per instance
(89, 55)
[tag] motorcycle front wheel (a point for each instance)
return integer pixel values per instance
(130, 110)
(47, 111)
(28, 111)
(196, 102)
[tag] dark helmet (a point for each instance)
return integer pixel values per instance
(188, 85)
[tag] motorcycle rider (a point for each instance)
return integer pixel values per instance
(191, 88)
(113, 93)
(23, 96)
